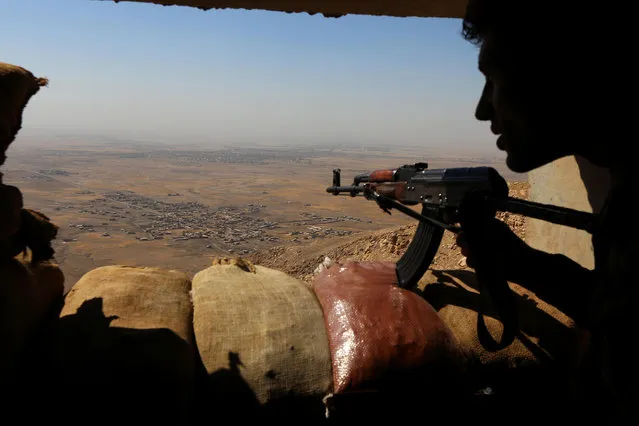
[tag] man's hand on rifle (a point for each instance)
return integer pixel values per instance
(515, 251)
(555, 278)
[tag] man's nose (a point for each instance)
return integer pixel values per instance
(484, 110)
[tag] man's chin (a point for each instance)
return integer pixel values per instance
(527, 163)
(520, 165)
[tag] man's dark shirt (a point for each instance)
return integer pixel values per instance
(604, 300)
(613, 307)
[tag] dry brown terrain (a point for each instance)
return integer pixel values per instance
(157, 205)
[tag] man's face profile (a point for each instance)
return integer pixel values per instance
(515, 102)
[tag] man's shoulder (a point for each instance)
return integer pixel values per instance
(620, 205)
(616, 237)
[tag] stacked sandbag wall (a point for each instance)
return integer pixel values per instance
(31, 284)
(123, 346)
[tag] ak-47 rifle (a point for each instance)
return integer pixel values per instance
(450, 197)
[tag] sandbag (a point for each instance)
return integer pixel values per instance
(28, 294)
(124, 346)
(261, 337)
(545, 355)
(11, 204)
(17, 87)
(383, 338)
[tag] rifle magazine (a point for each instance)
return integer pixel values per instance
(419, 255)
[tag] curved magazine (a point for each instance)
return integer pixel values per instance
(412, 266)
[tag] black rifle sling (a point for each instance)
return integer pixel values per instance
(412, 266)
(475, 217)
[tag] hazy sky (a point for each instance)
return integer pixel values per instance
(132, 69)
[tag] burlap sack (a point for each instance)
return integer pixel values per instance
(261, 337)
(545, 356)
(17, 86)
(11, 204)
(27, 295)
(546, 333)
(384, 338)
(124, 346)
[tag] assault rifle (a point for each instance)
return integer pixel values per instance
(442, 193)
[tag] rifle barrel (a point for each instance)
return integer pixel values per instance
(350, 190)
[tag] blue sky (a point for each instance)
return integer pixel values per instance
(183, 74)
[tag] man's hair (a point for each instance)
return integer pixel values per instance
(516, 22)
(478, 20)
(503, 18)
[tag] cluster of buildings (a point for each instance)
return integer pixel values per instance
(232, 229)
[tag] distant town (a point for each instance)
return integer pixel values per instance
(162, 210)
(231, 229)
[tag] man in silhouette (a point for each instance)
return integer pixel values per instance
(549, 92)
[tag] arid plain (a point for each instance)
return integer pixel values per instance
(147, 204)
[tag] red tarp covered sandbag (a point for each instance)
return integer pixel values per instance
(382, 336)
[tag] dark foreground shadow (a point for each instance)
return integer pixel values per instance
(84, 371)
(423, 398)
(228, 394)
(545, 384)
(555, 338)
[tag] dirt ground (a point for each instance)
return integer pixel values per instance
(178, 207)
